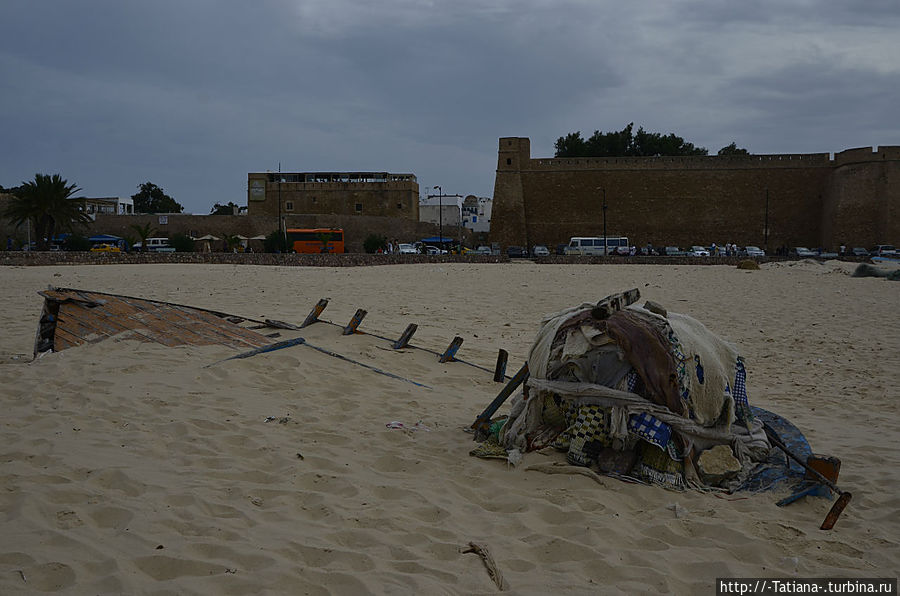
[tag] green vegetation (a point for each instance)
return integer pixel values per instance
(275, 242)
(145, 231)
(77, 242)
(152, 199)
(181, 243)
(229, 209)
(627, 143)
(373, 242)
(46, 202)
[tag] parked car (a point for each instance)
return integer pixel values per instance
(673, 251)
(883, 250)
(859, 252)
(105, 248)
(802, 252)
(483, 250)
(753, 251)
(698, 251)
(516, 252)
(539, 250)
(432, 250)
(407, 249)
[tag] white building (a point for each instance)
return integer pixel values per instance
(474, 211)
(94, 206)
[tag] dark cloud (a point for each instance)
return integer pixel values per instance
(193, 95)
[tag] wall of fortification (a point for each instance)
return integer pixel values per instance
(386, 199)
(862, 206)
(800, 199)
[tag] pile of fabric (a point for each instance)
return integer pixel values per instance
(638, 392)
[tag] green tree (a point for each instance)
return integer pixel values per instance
(145, 231)
(625, 143)
(77, 242)
(324, 238)
(732, 149)
(47, 203)
(181, 243)
(275, 242)
(229, 209)
(152, 199)
(373, 242)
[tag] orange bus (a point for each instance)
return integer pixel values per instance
(316, 240)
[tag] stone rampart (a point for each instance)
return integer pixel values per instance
(763, 200)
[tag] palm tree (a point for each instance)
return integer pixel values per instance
(46, 203)
(145, 231)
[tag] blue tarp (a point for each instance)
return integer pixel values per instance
(104, 238)
(437, 240)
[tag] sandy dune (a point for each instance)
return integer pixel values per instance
(130, 468)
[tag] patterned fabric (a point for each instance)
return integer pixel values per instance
(681, 367)
(741, 402)
(699, 368)
(651, 429)
(655, 466)
(589, 435)
(564, 439)
(634, 383)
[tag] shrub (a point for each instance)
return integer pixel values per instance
(275, 242)
(748, 264)
(373, 242)
(181, 243)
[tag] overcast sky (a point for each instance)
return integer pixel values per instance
(194, 94)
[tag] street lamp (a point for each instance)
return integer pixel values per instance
(605, 244)
(441, 213)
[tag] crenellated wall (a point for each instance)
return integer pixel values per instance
(765, 200)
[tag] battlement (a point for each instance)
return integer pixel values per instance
(867, 154)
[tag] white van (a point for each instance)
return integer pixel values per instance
(155, 245)
(593, 245)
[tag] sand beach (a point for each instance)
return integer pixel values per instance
(132, 468)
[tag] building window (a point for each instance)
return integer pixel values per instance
(289, 205)
(314, 199)
(359, 207)
(399, 205)
(508, 161)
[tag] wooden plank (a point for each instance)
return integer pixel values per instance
(500, 369)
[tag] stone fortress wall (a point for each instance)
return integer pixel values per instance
(813, 200)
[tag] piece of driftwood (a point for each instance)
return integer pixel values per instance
(559, 468)
(489, 563)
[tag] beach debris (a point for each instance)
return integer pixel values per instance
(514, 457)
(22, 574)
(350, 329)
(564, 468)
(493, 571)
(482, 424)
(313, 316)
(230, 570)
(397, 425)
(843, 498)
(407, 334)
(866, 270)
(678, 509)
(643, 394)
(72, 317)
(450, 353)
